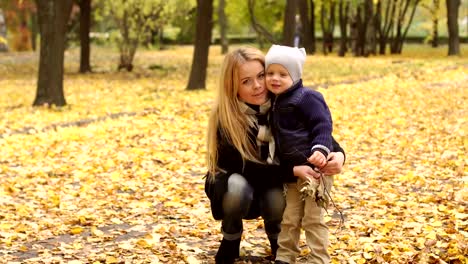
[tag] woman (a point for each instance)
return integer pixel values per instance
(244, 180)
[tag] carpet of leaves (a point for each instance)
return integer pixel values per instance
(116, 176)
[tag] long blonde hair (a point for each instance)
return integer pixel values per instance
(226, 114)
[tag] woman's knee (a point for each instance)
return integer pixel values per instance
(238, 196)
(274, 205)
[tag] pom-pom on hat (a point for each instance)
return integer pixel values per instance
(291, 58)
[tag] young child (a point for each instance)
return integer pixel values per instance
(302, 127)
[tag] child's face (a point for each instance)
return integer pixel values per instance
(278, 79)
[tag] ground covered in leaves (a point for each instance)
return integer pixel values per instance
(116, 176)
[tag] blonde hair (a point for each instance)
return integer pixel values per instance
(226, 114)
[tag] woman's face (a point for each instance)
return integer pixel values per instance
(252, 83)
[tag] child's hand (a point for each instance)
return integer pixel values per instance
(305, 172)
(318, 159)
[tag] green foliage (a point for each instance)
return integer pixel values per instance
(183, 18)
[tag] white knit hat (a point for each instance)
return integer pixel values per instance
(291, 58)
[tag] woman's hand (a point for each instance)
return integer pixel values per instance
(305, 172)
(335, 164)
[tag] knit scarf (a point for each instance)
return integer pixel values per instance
(259, 121)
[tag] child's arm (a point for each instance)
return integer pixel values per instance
(320, 126)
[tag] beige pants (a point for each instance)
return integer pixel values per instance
(306, 214)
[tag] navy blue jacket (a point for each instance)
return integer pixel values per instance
(302, 124)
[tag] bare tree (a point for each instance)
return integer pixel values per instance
(384, 22)
(401, 30)
(204, 27)
(53, 16)
(452, 24)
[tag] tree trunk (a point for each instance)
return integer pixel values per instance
(34, 31)
(223, 25)
(202, 45)
(328, 26)
(435, 33)
(452, 24)
(399, 38)
(3, 33)
(370, 47)
(435, 23)
(85, 25)
(53, 16)
(360, 33)
(343, 17)
(312, 26)
(289, 24)
(306, 21)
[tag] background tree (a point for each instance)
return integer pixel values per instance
(19, 16)
(385, 11)
(343, 17)
(327, 24)
(370, 20)
(223, 26)
(3, 33)
(204, 27)
(433, 7)
(135, 20)
(452, 25)
(85, 28)
(289, 24)
(262, 32)
(307, 14)
(403, 21)
(52, 18)
(183, 17)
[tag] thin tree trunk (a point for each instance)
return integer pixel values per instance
(435, 24)
(405, 32)
(328, 26)
(312, 26)
(204, 26)
(223, 24)
(343, 17)
(306, 26)
(452, 24)
(361, 33)
(400, 34)
(262, 32)
(370, 47)
(3, 33)
(85, 25)
(34, 30)
(52, 16)
(289, 24)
